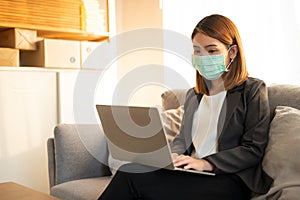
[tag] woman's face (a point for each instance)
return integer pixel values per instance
(204, 46)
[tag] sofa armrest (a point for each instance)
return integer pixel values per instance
(51, 161)
(80, 152)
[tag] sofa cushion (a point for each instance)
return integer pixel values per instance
(80, 152)
(82, 189)
(281, 160)
(172, 121)
(172, 99)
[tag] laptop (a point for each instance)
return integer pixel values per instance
(136, 134)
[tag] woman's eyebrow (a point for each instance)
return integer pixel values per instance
(207, 46)
(210, 45)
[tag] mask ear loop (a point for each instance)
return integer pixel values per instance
(231, 60)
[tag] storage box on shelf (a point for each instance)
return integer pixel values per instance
(53, 53)
(9, 57)
(12, 40)
(87, 49)
(18, 38)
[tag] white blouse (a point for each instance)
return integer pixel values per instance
(205, 122)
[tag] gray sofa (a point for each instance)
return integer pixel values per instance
(78, 155)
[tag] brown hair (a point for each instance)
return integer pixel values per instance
(224, 30)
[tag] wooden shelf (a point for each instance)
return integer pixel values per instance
(58, 33)
(72, 35)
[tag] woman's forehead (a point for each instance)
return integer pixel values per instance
(202, 40)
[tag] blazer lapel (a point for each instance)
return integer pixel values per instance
(229, 105)
(193, 105)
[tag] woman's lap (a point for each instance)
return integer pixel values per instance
(168, 184)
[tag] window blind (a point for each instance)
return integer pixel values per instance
(61, 14)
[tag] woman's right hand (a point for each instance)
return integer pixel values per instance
(174, 156)
(188, 162)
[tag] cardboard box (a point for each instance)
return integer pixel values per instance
(18, 38)
(9, 57)
(87, 49)
(53, 53)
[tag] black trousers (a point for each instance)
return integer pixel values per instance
(141, 182)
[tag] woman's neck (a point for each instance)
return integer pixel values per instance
(217, 86)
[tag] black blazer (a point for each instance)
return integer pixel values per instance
(243, 133)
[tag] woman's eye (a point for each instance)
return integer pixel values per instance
(212, 51)
(196, 51)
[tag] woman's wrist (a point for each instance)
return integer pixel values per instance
(207, 165)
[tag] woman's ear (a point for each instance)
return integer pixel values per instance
(233, 51)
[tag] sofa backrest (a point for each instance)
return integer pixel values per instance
(279, 94)
(283, 95)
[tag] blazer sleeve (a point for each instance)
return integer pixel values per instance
(250, 148)
(181, 142)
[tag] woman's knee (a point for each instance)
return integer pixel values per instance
(136, 168)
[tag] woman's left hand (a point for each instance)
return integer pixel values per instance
(188, 162)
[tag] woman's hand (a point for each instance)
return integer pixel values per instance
(188, 162)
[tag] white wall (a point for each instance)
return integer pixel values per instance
(270, 30)
(136, 51)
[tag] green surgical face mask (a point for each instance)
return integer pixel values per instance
(210, 67)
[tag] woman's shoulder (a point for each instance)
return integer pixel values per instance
(250, 86)
(254, 86)
(254, 83)
(190, 92)
(251, 81)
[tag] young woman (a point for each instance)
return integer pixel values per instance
(224, 128)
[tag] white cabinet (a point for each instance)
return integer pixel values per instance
(80, 90)
(28, 114)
